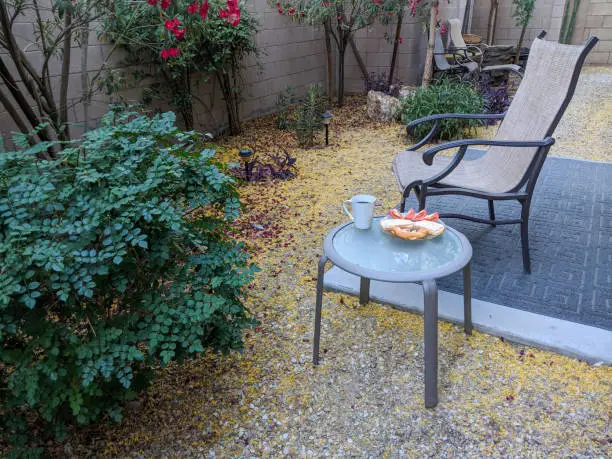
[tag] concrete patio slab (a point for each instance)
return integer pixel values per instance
(584, 342)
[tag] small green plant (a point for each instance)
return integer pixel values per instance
(445, 96)
(115, 261)
(569, 21)
(523, 11)
(284, 102)
(308, 119)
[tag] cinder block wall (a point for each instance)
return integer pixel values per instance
(547, 16)
(595, 18)
(293, 54)
(376, 51)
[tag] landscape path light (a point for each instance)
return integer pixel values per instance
(246, 154)
(326, 120)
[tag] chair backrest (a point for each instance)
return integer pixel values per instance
(439, 59)
(544, 93)
(455, 33)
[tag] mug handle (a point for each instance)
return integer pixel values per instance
(346, 210)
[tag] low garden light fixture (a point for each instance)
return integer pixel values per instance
(246, 154)
(326, 120)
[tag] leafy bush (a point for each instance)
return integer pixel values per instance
(273, 165)
(445, 96)
(380, 82)
(284, 102)
(105, 275)
(496, 99)
(172, 49)
(308, 115)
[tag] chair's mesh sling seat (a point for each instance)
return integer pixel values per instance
(532, 115)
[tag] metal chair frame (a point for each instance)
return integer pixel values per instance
(523, 192)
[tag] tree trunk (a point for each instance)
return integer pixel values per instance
(328, 52)
(341, 53)
(494, 26)
(362, 66)
(428, 71)
(490, 23)
(231, 104)
(63, 131)
(86, 100)
(398, 32)
(520, 43)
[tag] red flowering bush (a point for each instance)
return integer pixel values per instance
(178, 44)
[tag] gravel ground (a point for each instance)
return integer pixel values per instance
(585, 131)
(497, 399)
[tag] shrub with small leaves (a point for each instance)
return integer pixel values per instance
(106, 271)
(446, 96)
(284, 101)
(308, 115)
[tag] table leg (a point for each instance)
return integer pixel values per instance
(319, 303)
(430, 290)
(467, 300)
(364, 291)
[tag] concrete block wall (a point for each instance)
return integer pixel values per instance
(376, 51)
(595, 18)
(547, 16)
(293, 54)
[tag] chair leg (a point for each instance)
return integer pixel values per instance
(525, 236)
(492, 212)
(422, 197)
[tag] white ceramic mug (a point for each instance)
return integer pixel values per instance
(362, 206)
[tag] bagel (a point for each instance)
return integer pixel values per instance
(432, 228)
(411, 233)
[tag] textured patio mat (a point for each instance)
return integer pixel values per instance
(570, 240)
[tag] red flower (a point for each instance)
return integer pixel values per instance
(280, 11)
(173, 52)
(204, 9)
(291, 11)
(339, 18)
(325, 4)
(231, 13)
(192, 8)
(165, 54)
(443, 29)
(278, 4)
(179, 34)
(169, 24)
(234, 18)
(389, 14)
(165, 4)
(152, 2)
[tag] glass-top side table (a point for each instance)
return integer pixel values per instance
(374, 254)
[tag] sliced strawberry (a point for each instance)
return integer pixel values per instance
(432, 217)
(395, 213)
(420, 215)
(409, 214)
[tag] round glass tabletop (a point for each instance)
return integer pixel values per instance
(377, 255)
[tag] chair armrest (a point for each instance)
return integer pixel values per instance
(436, 119)
(430, 153)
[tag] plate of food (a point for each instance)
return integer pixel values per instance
(412, 226)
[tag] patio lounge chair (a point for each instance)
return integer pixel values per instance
(473, 53)
(462, 67)
(509, 169)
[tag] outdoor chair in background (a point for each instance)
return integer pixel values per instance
(474, 53)
(461, 68)
(510, 167)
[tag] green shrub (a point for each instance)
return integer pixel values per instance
(210, 47)
(444, 97)
(308, 115)
(106, 274)
(284, 101)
